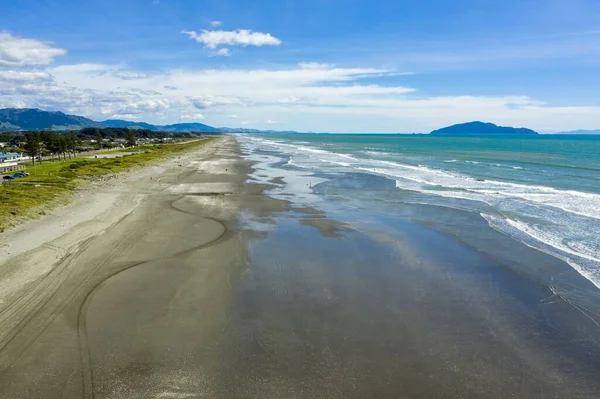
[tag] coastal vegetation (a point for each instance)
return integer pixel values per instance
(53, 183)
(41, 146)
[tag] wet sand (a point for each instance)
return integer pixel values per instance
(209, 288)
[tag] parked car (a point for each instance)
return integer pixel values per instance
(8, 177)
(21, 174)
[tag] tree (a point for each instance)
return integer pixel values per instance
(72, 143)
(131, 139)
(49, 139)
(7, 137)
(32, 145)
(61, 146)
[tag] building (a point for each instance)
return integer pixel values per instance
(11, 162)
(7, 167)
(9, 156)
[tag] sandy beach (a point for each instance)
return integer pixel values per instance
(186, 280)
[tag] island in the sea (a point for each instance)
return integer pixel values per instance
(481, 128)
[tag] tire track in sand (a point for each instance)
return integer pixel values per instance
(86, 363)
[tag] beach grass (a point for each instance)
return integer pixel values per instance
(125, 150)
(52, 183)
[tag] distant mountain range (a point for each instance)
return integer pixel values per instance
(15, 119)
(20, 119)
(34, 119)
(482, 129)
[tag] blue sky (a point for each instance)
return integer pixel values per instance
(312, 65)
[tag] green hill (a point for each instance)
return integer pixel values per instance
(481, 129)
(12, 119)
(16, 119)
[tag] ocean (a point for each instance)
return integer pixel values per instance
(543, 191)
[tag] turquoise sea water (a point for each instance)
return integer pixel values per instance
(541, 190)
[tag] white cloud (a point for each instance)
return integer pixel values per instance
(41, 89)
(123, 116)
(216, 24)
(23, 76)
(316, 98)
(241, 37)
(17, 51)
(13, 104)
(222, 52)
(205, 102)
(129, 75)
(144, 105)
(191, 116)
(270, 122)
(83, 68)
(277, 82)
(314, 65)
(297, 100)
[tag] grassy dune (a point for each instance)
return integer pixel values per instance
(52, 183)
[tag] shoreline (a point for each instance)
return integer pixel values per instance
(519, 197)
(181, 226)
(465, 224)
(212, 287)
